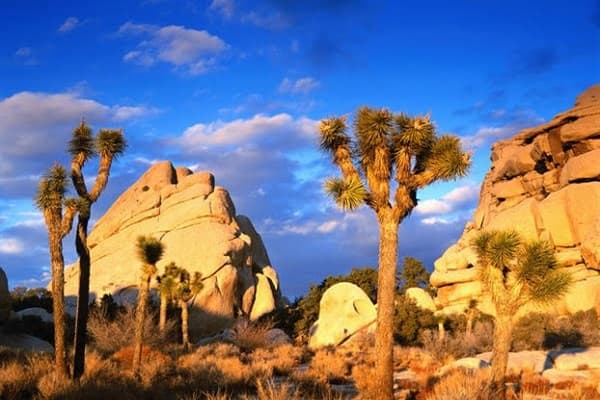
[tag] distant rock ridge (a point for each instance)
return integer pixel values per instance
(198, 224)
(545, 183)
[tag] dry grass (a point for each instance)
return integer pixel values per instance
(277, 361)
(108, 336)
(331, 365)
(460, 385)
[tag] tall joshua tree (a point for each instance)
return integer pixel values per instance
(150, 250)
(108, 144)
(515, 273)
(50, 199)
(388, 146)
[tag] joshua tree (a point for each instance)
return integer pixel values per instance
(387, 146)
(150, 251)
(515, 273)
(50, 199)
(167, 288)
(189, 286)
(108, 144)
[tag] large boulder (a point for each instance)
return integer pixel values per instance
(544, 182)
(5, 302)
(344, 310)
(198, 224)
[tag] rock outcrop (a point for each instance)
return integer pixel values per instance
(5, 302)
(198, 224)
(344, 311)
(545, 183)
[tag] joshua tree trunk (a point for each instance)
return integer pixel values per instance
(58, 305)
(386, 288)
(184, 324)
(83, 297)
(140, 315)
(162, 320)
(502, 336)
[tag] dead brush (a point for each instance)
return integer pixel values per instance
(279, 361)
(332, 365)
(108, 336)
(251, 335)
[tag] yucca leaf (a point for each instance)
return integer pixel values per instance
(349, 194)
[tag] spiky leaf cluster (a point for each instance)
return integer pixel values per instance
(349, 194)
(149, 249)
(110, 143)
(82, 142)
(52, 188)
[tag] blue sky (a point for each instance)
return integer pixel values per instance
(237, 87)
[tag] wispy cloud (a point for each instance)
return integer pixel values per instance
(70, 24)
(300, 86)
(193, 50)
(224, 7)
(26, 56)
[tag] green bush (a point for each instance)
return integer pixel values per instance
(410, 320)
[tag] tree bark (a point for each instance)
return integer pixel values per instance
(502, 337)
(386, 288)
(83, 297)
(58, 301)
(162, 320)
(185, 335)
(140, 315)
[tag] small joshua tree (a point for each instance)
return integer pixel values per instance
(167, 289)
(50, 199)
(150, 251)
(108, 144)
(515, 273)
(189, 286)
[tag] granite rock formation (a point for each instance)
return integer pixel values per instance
(545, 183)
(198, 224)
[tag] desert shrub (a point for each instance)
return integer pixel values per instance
(107, 336)
(536, 331)
(251, 335)
(460, 385)
(331, 365)
(410, 320)
(279, 361)
(457, 344)
(19, 374)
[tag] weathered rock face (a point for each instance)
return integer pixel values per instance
(545, 183)
(5, 302)
(198, 225)
(344, 310)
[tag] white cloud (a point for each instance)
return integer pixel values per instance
(300, 86)
(11, 246)
(225, 7)
(38, 125)
(449, 202)
(69, 24)
(242, 131)
(181, 47)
